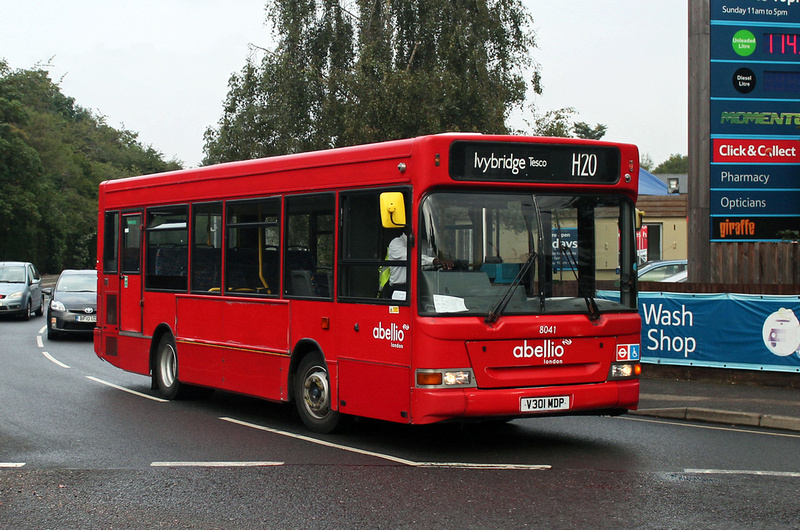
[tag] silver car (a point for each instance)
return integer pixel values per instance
(20, 290)
(666, 270)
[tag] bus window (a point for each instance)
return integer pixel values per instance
(131, 243)
(310, 222)
(521, 254)
(252, 262)
(111, 242)
(167, 248)
(207, 247)
(365, 271)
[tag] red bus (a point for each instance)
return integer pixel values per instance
(445, 277)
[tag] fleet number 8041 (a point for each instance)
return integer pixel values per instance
(584, 165)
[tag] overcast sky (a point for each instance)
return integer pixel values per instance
(161, 67)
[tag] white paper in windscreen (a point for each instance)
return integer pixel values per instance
(448, 304)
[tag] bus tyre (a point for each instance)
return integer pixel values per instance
(166, 370)
(312, 394)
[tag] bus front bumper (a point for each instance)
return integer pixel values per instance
(610, 397)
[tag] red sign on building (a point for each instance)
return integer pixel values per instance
(756, 151)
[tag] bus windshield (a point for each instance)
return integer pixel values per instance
(521, 254)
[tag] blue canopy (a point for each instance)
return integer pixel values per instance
(649, 184)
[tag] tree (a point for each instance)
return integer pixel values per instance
(558, 123)
(646, 162)
(584, 130)
(675, 164)
(554, 123)
(53, 156)
(378, 70)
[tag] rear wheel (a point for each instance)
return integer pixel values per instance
(312, 394)
(166, 369)
(40, 311)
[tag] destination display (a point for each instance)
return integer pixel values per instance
(524, 162)
(754, 119)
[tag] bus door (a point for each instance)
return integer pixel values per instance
(374, 327)
(108, 292)
(130, 279)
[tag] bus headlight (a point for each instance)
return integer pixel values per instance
(461, 378)
(624, 371)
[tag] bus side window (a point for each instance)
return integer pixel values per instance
(308, 255)
(131, 243)
(207, 247)
(364, 269)
(167, 248)
(251, 257)
(111, 242)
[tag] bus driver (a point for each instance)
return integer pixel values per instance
(398, 251)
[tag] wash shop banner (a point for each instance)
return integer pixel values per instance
(751, 332)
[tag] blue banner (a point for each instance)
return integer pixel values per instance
(754, 332)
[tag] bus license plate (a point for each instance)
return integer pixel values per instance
(544, 404)
(86, 318)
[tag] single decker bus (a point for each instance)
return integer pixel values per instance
(444, 277)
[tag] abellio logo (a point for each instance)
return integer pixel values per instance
(392, 333)
(547, 350)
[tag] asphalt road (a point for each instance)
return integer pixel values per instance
(85, 445)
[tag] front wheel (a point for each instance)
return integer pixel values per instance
(166, 369)
(26, 315)
(312, 395)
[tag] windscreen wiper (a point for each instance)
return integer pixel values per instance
(591, 304)
(501, 304)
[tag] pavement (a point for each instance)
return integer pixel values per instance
(771, 402)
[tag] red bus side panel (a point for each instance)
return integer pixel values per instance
(239, 345)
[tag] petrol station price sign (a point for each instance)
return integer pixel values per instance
(755, 119)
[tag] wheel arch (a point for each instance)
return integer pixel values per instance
(161, 330)
(301, 350)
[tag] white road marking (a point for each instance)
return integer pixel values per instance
(54, 360)
(473, 465)
(710, 427)
(44, 328)
(398, 460)
(128, 390)
(39, 341)
(215, 464)
(791, 474)
(11, 464)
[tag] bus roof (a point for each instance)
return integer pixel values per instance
(378, 165)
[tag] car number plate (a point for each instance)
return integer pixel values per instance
(543, 404)
(86, 318)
